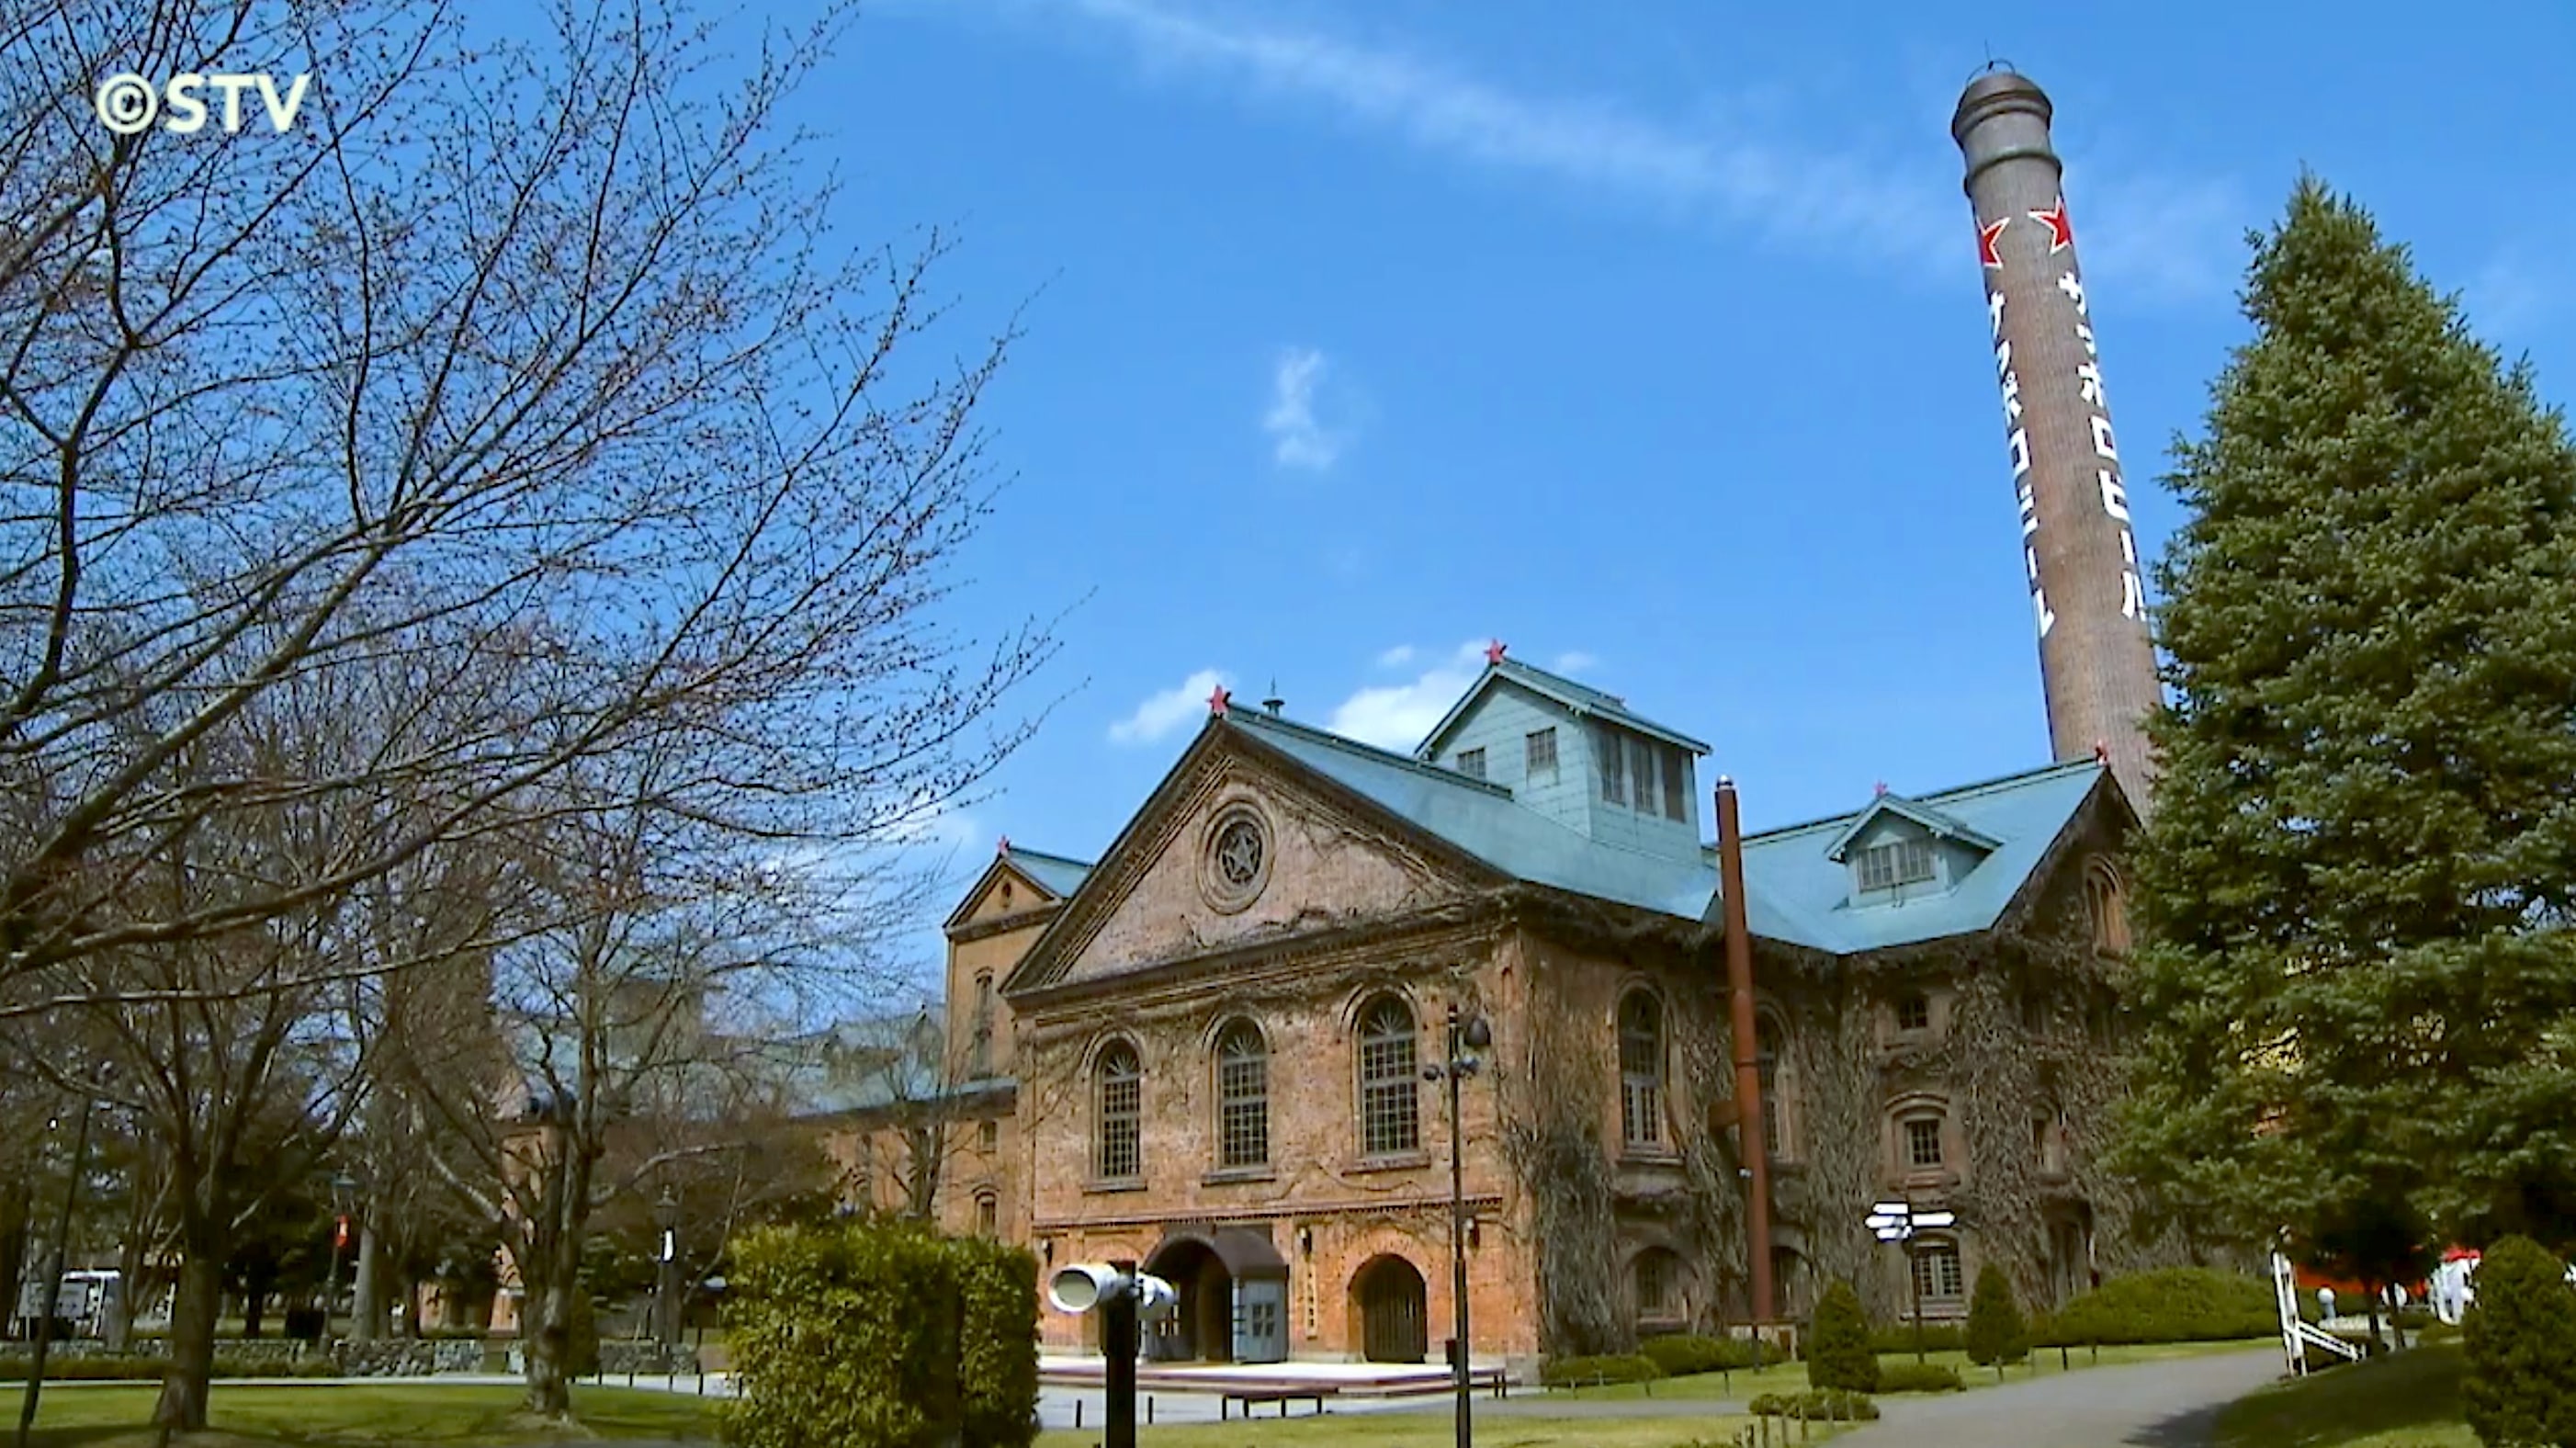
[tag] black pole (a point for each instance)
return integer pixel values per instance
(1118, 1380)
(54, 1278)
(1458, 1242)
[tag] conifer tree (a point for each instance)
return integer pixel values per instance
(1996, 1332)
(1838, 1351)
(2521, 1342)
(2359, 982)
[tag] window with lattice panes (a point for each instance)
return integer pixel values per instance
(1471, 763)
(1923, 1141)
(1390, 1121)
(1243, 1097)
(988, 1215)
(988, 1136)
(1676, 784)
(1899, 862)
(1610, 755)
(1119, 1151)
(1914, 1011)
(1936, 1272)
(1641, 1069)
(1766, 1063)
(1539, 750)
(1654, 1273)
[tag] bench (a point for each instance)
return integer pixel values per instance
(1282, 1394)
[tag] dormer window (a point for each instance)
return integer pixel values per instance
(1898, 862)
(1471, 763)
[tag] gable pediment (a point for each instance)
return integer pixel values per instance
(1242, 846)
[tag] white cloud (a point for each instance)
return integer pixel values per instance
(1297, 439)
(1574, 662)
(1163, 713)
(1396, 716)
(1397, 657)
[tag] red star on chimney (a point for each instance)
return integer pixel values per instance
(1493, 651)
(1986, 237)
(1218, 700)
(2061, 232)
(1002, 847)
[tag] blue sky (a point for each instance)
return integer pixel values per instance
(1646, 337)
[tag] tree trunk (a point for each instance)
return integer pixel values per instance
(254, 1305)
(192, 1344)
(366, 1307)
(15, 1209)
(546, 1330)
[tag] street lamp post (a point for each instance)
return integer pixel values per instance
(666, 1215)
(1898, 1222)
(1468, 1034)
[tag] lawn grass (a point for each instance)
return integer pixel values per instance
(1792, 1378)
(442, 1416)
(1425, 1430)
(2408, 1400)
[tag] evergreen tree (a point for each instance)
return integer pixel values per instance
(1838, 1352)
(2359, 984)
(1996, 1332)
(2521, 1341)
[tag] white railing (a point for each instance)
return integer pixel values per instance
(2298, 1334)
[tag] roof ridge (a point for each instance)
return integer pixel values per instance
(1018, 849)
(1565, 679)
(1955, 792)
(1370, 751)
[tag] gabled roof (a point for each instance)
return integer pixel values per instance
(1055, 876)
(1582, 700)
(1794, 882)
(1941, 825)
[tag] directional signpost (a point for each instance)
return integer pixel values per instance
(1898, 1222)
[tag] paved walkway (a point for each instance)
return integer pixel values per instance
(2170, 1404)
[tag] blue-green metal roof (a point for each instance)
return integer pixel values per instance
(1796, 892)
(1058, 875)
(1922, 814)
(1585, 701)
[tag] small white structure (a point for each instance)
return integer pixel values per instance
(2297, 1334)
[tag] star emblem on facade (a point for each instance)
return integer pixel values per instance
(1493, 651)
(1986, 237)
(2061, 232)
(1217, 702)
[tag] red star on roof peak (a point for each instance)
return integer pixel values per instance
(1494, 651)
(1882, 788)
(2101, 751)
(2061, 232)
(1986, 237)
(1218, 700)
(1002, 848)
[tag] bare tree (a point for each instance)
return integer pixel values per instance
(520, 404)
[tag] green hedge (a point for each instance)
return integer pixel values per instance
(1579, 1372)
(880, 1334)
(1681, 1354)
(2175, 1304)
(1913, 1377)
(1937, 1337)
(1817, 1405)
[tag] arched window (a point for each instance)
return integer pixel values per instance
(2107, 904)
(988, 1214)
(1390, 1124)
(1776, 1136)
(1119, 1151)
(1641, 1069)
(1661, 1287)
(1243, 1097)
(984, 1024)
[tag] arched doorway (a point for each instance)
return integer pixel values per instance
(1388, 1299)
(1201, 1328)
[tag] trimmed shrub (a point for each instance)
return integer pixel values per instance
(996, 1367)
(1584, 1372)
(2173, 1304)
(1937, 1337)
(2521, 1340)
(877, 1333)
(1996, 1333)
(581, 1351)
(1816, 1405)
(1838, 1354)
(1907, 1377)
(1681, 1354)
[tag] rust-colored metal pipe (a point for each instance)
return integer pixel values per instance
(1752, 1144)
